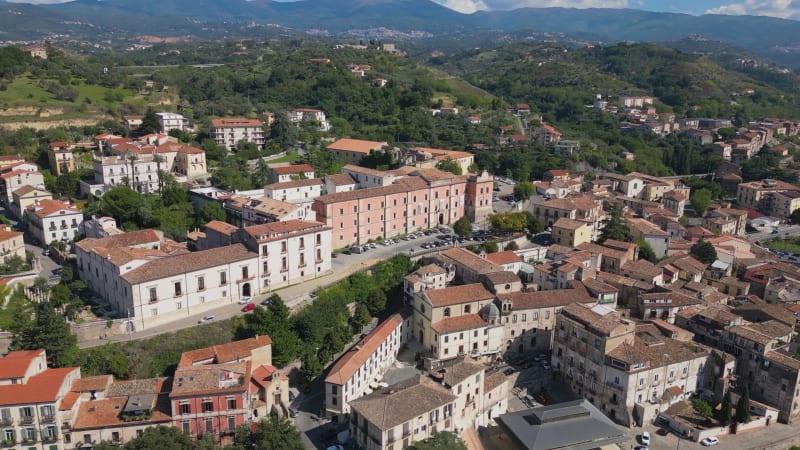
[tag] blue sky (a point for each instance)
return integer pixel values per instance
(787, 9)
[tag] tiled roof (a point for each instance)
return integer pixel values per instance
(292, 168)
(600, 249)
(658, 351)
(18, 172)
(15, 364)
(349, 363)
(213, 378)
(235, 122)
(783, 357)
(603, 324)
(136, 387)
(645, 227)
(8, 234)
(105, 413)
(400, 403)
(569, 224)
(763, 333)
(88, 384)
(459, 323)
(191, 262)
(492, 380)
(69, 400)
(502, 277)
(133, 238)
(454, 373)
(598, 287)
(340, 179)
(41, 388)
(266, 232)
(46, 207)
(622, 280)
(455, 295)
(372, 192)
(506, 257)
(223, 353)
(27, 189)
(221, 227)
(295, 184)
(466, 258)
(683, 262)
(546, 299)
(643, 268)
(355, 145)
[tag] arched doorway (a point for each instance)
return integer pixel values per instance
(246, 290)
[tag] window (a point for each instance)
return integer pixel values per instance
(178, 292)
(223, 278)
(186, 427)
(209, 425)
(208, 405)
(201, 283)
(184, 408)
(467, 309)
(524, 317)
(283, 247)
(245, 272)
(153, 294)
(547, 314)
(231, 403)
(231, 423)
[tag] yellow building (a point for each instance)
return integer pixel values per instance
(61, 158)
(571, 233)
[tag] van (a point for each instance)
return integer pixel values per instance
(356, 249)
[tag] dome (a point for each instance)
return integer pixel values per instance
(490, 312)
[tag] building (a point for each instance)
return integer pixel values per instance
(547, 134)
(172, 121)
(575, 424)
(478, 202)
(430, 276)
(61, 158)
(628, 371)
(11, 244)
(31, 401)
(754, 194)
(26, 196)
(17, 176)
(644, 230)
(290, 172)
(352, 150)
(396, 416)
(675, 202)
(783, 204)
(777, 383)
(571, 233)
(53, 220)
(302, 115)
(424, 157)
(583, 208)
(132, 123)
(230, 132)
(751, 342)
(359, 370)
(567, 146)
(258, 210)
(638, 101)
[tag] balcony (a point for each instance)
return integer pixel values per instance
(26, 420)
(6, 421)
(8, 442)
(614, 386)
(49, 438)
(153, 299)
(47, 418)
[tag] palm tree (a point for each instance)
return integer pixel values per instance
(132, 158)
(159, 159)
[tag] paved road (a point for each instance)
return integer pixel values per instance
(777, 436)
(784, 231)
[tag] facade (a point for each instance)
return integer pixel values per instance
(571, 233)
(357, 372)
(11, 244)
(16, 178)
(644, 230)
(172, 121)
(352, 150)
(31, 400)
(25, 196)
(479, 198)
(230, 132)
(753, 194)
(53, 220)
(290, 172)
(302, 115)
(583, 208)
(61, 158)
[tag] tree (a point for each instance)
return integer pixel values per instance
(614, 227)
(462, 227)
(704, 252)
(523, 190)
(701, 199)
(161, 438)
(282, 131)
(743, 407)
(534, 225)
(150, 123)
(702, 407)
(726, 413)
(212, 211)
(271, 433)
(448, 165)
(509, 221)
(646, 251)
(442, 440)
(48, 331)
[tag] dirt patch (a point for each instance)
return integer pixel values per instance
(46, 124)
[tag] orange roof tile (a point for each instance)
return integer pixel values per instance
(15, 364)
(460, 323)
(349, 363)
(68, 401)
(87, 384)
(221, 227)
(235, 122)
(355, 145)
(224, 353)
(293, 168)
(40, 388)
(505, 257)
(455, 295)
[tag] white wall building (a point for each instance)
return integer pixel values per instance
(53, 220)
(297, 116)
(229, 132)
(172, 121)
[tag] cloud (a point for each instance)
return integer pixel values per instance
(39, 2)
(785, 9)
(470, 6)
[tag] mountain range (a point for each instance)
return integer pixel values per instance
(774, 38)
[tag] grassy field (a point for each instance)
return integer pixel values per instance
(784, 245)
(292, 156)
(25, 92)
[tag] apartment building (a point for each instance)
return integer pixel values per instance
(571, 233)
(359, 370)
(16, 177)
(31, 397)
(11, 244)
(289, 172)
(60, 157)
(629, 372)
(778, 383)
(172, 121)
(26, 196)
(309, 115)
(750, 343)
(352, 150)
(584, 208)
(663, 304)
(229, 132)
(53, 220)
(644, 230)
(430, 276)
(755, 194)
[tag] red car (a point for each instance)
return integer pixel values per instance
(249, 307)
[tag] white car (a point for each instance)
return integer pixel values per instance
(245, 300)
(709, 441)
(205, 319)
(645, 438)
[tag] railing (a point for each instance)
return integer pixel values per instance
(614, 386)
(6, 421)
(49, 438)
(47, 418)
(153, 300)
(26, 419)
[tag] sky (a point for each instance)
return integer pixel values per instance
(786, 9)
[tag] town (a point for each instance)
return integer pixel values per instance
(585, 308)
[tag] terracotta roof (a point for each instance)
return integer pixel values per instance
(455, 295)
(598, 287)
(191, 262)
(783, 357)
(569, 224)
(267, 232)
(69, 400)
(602, 324)
(18, 172)
(355, 145)
(15, 364)
(292, 168)
(28, 189)
(400, 403)
(459, 323)
(340, 179)
(658, 351)
(130, 239)
(607, 277)
(235, 122)
(88, 384)
(505, 257)
(223, 353)
(350, 362)
(295, 184)
(8, 234)
(41, 388)
(546, 299)
(106, 413)
(646, 227)
(600, 249)
(501, 277)
(221, 227)
(683, 262)
(373, 192)
(493, 379)
(466, 258)
(455, 372)
(642, 268)
(140, 386)
(213, 378)
(263, 375)
(46, 207)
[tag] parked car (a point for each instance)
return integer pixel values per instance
(265, 302)
(245, 300)
(645, 438)
(709, 441)
(356, 249)
(662, 431)
(531, 401)
(249, 307)
(206, 319)
(372, 245)
(546, 365)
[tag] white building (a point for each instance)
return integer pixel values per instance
(358, 371)
(298, 192)
(21, 175)
(229, 132)
(53, 220)
(300, 115)
(172, 121)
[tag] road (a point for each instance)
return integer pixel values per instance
(777, 436)
(294, 296)
(784, 231)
